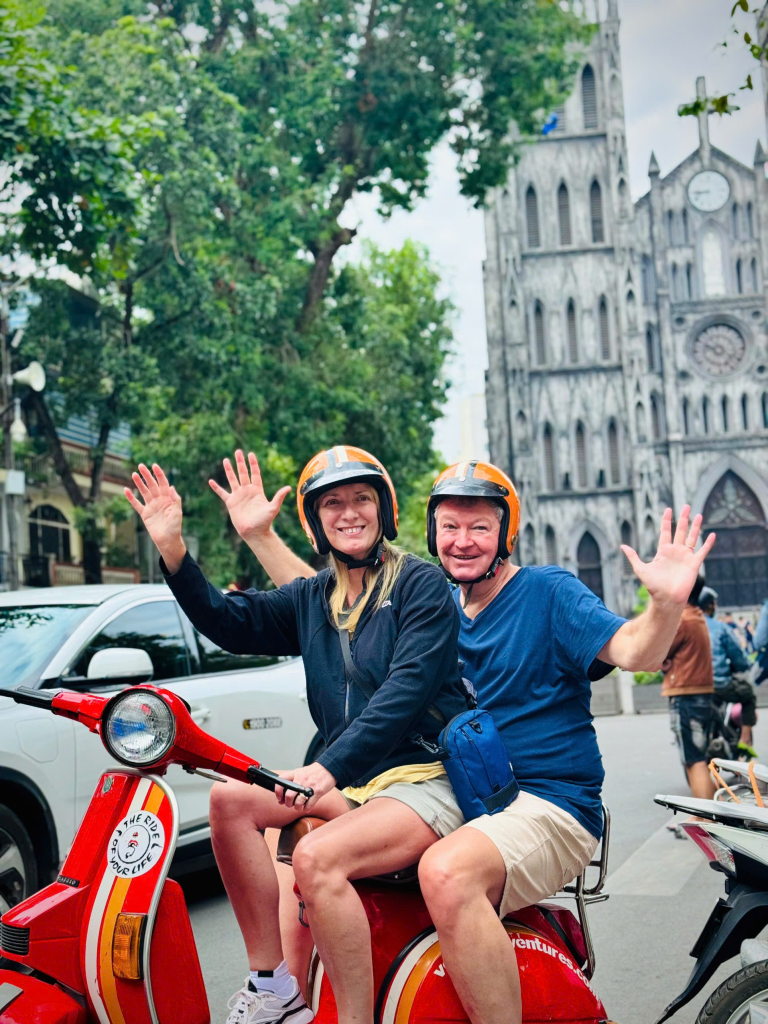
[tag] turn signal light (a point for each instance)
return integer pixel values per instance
(126, 946)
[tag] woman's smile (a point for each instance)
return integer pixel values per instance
(350, 517)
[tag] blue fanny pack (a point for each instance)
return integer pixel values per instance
(477, 764)
(469, 746)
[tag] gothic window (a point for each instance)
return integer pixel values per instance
(564, 214)
(726, 418)
(686, 418)
(532, 218)
(750, 222)
(737, 566)
(675, 284)
(705, 414)
(596, 212)
(650, 349)
(713, 264)
(631, 310)
(549, 458)
(753, 275)
(745, 412)
(522, 430)
(647, 280)
(739, 282)
(688, 281)
(573, 341)
(735, 220)
(765, 410)
(626, 538)
(582, 479)
(685, 226)
(613, 453)
(49, 534)
(560, 123)
(640, 424)
(529, 546)
(590, 567)
(656, 417)
(538, 334)
(623, 204)
(650, 536)
(605, 331)
(550, 546)
(589, 97)
(670, 222)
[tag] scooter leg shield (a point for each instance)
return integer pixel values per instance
(27, 1000)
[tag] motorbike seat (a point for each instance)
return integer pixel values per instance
(290, 835)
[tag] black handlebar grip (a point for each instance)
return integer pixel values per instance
(34, 698)
(268, 780)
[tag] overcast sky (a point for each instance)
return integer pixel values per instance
(665, 45)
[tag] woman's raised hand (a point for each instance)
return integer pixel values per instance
(160, 512)
(251, 512)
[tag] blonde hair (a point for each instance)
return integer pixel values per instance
(388, 572)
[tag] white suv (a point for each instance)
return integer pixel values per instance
(49, 766)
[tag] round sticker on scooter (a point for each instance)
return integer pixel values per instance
(136, 845)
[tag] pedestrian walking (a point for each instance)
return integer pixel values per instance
(689, 683)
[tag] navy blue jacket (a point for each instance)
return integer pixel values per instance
(407, 651)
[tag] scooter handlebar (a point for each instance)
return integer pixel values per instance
(268, 780)
(34, 698)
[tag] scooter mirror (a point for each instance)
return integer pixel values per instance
(121, 663)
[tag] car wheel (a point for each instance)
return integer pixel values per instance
(316, 747)
(18, 867)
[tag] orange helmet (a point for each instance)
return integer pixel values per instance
(343, 464)
(477, 480)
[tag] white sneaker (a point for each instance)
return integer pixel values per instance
(753, 951)
(250, 1007)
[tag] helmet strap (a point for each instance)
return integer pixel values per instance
(492, 571)
(374, 559)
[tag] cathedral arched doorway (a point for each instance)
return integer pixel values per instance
(737, 566)
(590, 565)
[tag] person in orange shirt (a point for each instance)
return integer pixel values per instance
(689, 683)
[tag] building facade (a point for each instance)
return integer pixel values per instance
(628, 344)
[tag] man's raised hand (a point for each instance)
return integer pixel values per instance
(160, 512)
(251, 512)
(671, 574)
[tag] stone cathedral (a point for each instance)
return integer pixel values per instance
(628, 344)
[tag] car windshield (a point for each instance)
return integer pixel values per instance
(30, 636)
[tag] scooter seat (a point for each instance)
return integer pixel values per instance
(290, 835)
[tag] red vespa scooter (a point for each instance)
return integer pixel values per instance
(109, 942)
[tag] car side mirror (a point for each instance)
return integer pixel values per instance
(121, 663)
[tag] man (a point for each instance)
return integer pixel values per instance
(689, 684)
(729, 663)
(532, 639)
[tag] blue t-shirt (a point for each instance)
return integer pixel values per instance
(528, 654)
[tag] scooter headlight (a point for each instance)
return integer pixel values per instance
(139, 728)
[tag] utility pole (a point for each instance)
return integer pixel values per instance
(6, 402)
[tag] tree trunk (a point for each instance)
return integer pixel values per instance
(89, 533)
(318, 278)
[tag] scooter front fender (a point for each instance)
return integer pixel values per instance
(743, 915)
(24, 999)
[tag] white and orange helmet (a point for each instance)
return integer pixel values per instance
(343, 464)
(477, 479)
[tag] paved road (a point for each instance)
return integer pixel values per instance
(662, 889)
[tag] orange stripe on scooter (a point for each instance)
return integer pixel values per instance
(106, 976)
(412, 986)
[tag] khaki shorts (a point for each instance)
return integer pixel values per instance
(543, 848)
(433, 801)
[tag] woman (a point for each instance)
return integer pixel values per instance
(403, 626)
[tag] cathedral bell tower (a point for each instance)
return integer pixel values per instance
(561, 287)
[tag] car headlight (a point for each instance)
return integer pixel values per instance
(139, 728)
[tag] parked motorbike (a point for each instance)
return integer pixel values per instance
(734, 839)
(109, 942)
